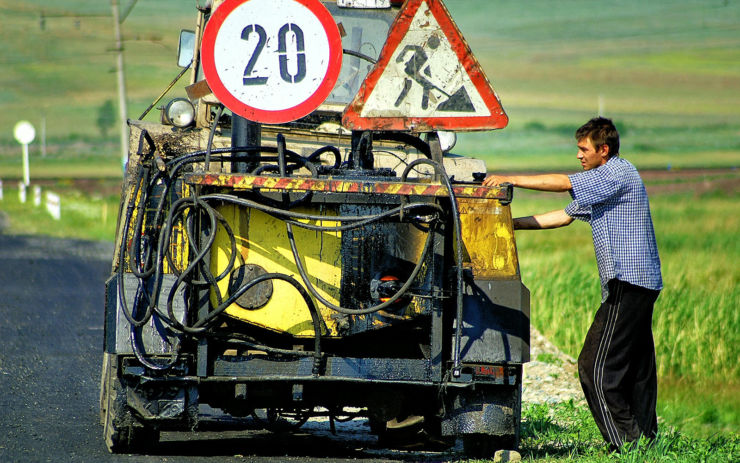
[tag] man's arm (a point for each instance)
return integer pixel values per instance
(553, 219)
(544, 182)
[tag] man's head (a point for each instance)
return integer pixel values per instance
(598, 140)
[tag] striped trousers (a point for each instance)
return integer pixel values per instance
(617, 365)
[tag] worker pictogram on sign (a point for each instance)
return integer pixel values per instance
(426, 79)
(271, 61)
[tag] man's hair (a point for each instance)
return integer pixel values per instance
(600, 131)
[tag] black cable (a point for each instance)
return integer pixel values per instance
(392, 300)
(190, 210)
(456, 367)
(315, 316)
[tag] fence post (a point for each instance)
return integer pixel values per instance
(22, 192)
(53, 205)
(36, 195)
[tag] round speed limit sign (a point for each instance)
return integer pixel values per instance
(271, 61)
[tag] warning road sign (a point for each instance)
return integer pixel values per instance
(426, 79)
(271, 61)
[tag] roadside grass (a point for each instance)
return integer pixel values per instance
(73, 159)
(696, 323)
(567, 432)
(83, 216)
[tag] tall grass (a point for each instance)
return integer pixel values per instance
(696, 322)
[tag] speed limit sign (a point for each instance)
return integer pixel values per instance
(271, 61)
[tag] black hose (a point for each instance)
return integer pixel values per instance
(315, 316)
(187, 211)
(392, 300)
(456, 366)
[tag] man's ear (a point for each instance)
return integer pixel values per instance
(604, 151)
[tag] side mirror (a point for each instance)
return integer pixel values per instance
(186, 49)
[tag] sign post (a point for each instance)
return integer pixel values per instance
(24, 134)
(271, 61)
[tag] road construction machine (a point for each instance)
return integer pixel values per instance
(296, 239)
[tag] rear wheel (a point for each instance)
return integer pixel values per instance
(123, 432)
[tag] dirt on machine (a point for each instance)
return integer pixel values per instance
(297, 239)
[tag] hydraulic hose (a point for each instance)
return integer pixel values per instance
(456, 364)
(147, 252)
(392, 300)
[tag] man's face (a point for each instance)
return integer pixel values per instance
(591, 157)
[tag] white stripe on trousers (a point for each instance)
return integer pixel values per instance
(601, 354)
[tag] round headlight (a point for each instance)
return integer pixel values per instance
(179, 112)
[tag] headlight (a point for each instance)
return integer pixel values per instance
(179, 112)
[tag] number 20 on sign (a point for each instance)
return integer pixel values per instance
(271, 61)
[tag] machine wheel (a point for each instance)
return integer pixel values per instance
(485, 445)
(123, 432)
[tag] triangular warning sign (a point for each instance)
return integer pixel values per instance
(425, 79)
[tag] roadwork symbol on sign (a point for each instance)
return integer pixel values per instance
(426, 79)
(271, 61)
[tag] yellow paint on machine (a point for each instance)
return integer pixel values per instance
(262, 240)
(488, 238)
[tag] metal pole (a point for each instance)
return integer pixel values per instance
(121, 82)
(26, 174)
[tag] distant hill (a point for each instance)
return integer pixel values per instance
(668, 72)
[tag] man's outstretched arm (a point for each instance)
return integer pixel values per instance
(553, 219)
(544, 182)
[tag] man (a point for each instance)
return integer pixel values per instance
(617, 363)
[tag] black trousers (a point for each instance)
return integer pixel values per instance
(617, 365)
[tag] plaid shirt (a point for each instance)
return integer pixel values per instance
(612, 198)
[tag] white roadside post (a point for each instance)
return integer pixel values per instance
(36, 195)
(24, 134)
(22, 192)
(54, 205)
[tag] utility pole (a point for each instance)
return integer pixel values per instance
(122, 109)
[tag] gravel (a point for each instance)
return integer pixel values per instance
(552, 375)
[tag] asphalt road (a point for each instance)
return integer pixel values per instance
(51, 336)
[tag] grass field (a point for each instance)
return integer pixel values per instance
(667, 72)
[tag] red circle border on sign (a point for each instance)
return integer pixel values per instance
(304, 108)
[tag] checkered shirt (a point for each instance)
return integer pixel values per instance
(612, 198)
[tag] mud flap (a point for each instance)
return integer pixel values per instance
(164, 402)
(493, 411)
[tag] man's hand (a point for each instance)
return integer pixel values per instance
(495, 180)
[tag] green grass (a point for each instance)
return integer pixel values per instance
(83, 216)
(65, 71)
(566, 432)
(80, 163)
(667, 72)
